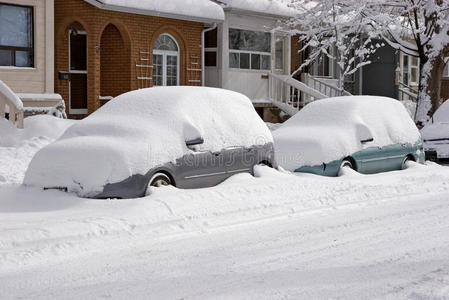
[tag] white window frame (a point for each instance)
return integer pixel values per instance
(250, 52)
(164, 54)
(409, 70)
(78, 111)
(284, 42)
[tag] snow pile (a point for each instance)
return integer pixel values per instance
(274, 7)
(438, 127)
(331, 129)
(18, 146)
(142, 129)
(196, 9)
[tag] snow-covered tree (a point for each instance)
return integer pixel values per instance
(336, 29)
(416, 27)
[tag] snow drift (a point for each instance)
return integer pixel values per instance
(142, 129)
(330, 129)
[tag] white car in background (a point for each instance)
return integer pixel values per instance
(436, 134)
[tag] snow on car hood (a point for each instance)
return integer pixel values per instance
(434, 131)
(330, 129)
(142, 129)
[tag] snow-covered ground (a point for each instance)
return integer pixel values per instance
(272, 236)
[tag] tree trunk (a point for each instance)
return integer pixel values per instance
(429, 89)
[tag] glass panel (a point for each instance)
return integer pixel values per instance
(405, 69)
(23, 59)
(244, 60)
(255, 61)
(266, 62)
(211, 39)
(5, 57)
(414, 75)
(210, 59)
(157, 70)
(16, 26)
(414, 61)
(279, 55)
(172, 70)
(234, 60)
(249, 40)
(78, 55)
(78, 91)
(165, 42)
(445, 72)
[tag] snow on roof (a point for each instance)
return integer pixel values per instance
(332, 128)
(191, 10)
(269, 7)
(139, 130)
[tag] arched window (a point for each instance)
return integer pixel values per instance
(165, 61)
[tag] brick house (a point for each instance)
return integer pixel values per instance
(103, 49)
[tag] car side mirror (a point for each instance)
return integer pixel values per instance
(366, 140)
(195, 142)
(364, 134)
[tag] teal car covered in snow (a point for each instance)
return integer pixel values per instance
(366, 133)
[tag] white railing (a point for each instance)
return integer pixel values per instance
(406, 93)
(289, 94)
(10, 103)
(324, 85)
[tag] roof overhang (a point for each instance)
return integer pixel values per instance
(154, 13)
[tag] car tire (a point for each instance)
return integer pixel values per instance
(265, 163)
(404, 162)
(346, 163)
(160, 179)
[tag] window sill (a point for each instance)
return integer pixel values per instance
(17, 68)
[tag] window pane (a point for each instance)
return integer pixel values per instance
(414, 75)
(445, 72)
(249, 40)
(234, 61)
(165, 42)
(266, 62)
(23, 59)
(244, 60)
(210, 59)
(16, 26)
(414, 61)
(279, 55)
(211, 39)
(157, 70)
(78, 55)
(5, 57)
(255, 61)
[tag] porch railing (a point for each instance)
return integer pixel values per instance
(323, 86)
(406, 93)
(11, 104)
(289, 94)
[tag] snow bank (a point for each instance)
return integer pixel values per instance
(332, 128)
(18, 146)
(190, 9)
(274, 7)
(142, 129)
(438, 127)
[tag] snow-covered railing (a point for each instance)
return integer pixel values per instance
(10, 103)
(323, 86)
(290, 94)
(406, 93)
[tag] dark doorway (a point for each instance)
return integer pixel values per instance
(78, 72)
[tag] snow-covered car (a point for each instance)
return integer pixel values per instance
(369, 134)
(188, 137)
(436, 134)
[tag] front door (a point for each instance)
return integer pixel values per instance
(165, 68)
(78, 72)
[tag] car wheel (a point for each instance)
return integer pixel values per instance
(405, 161)
(265, 163)
(160, 179)
(346, 163)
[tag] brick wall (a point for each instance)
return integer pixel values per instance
(137, 33)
